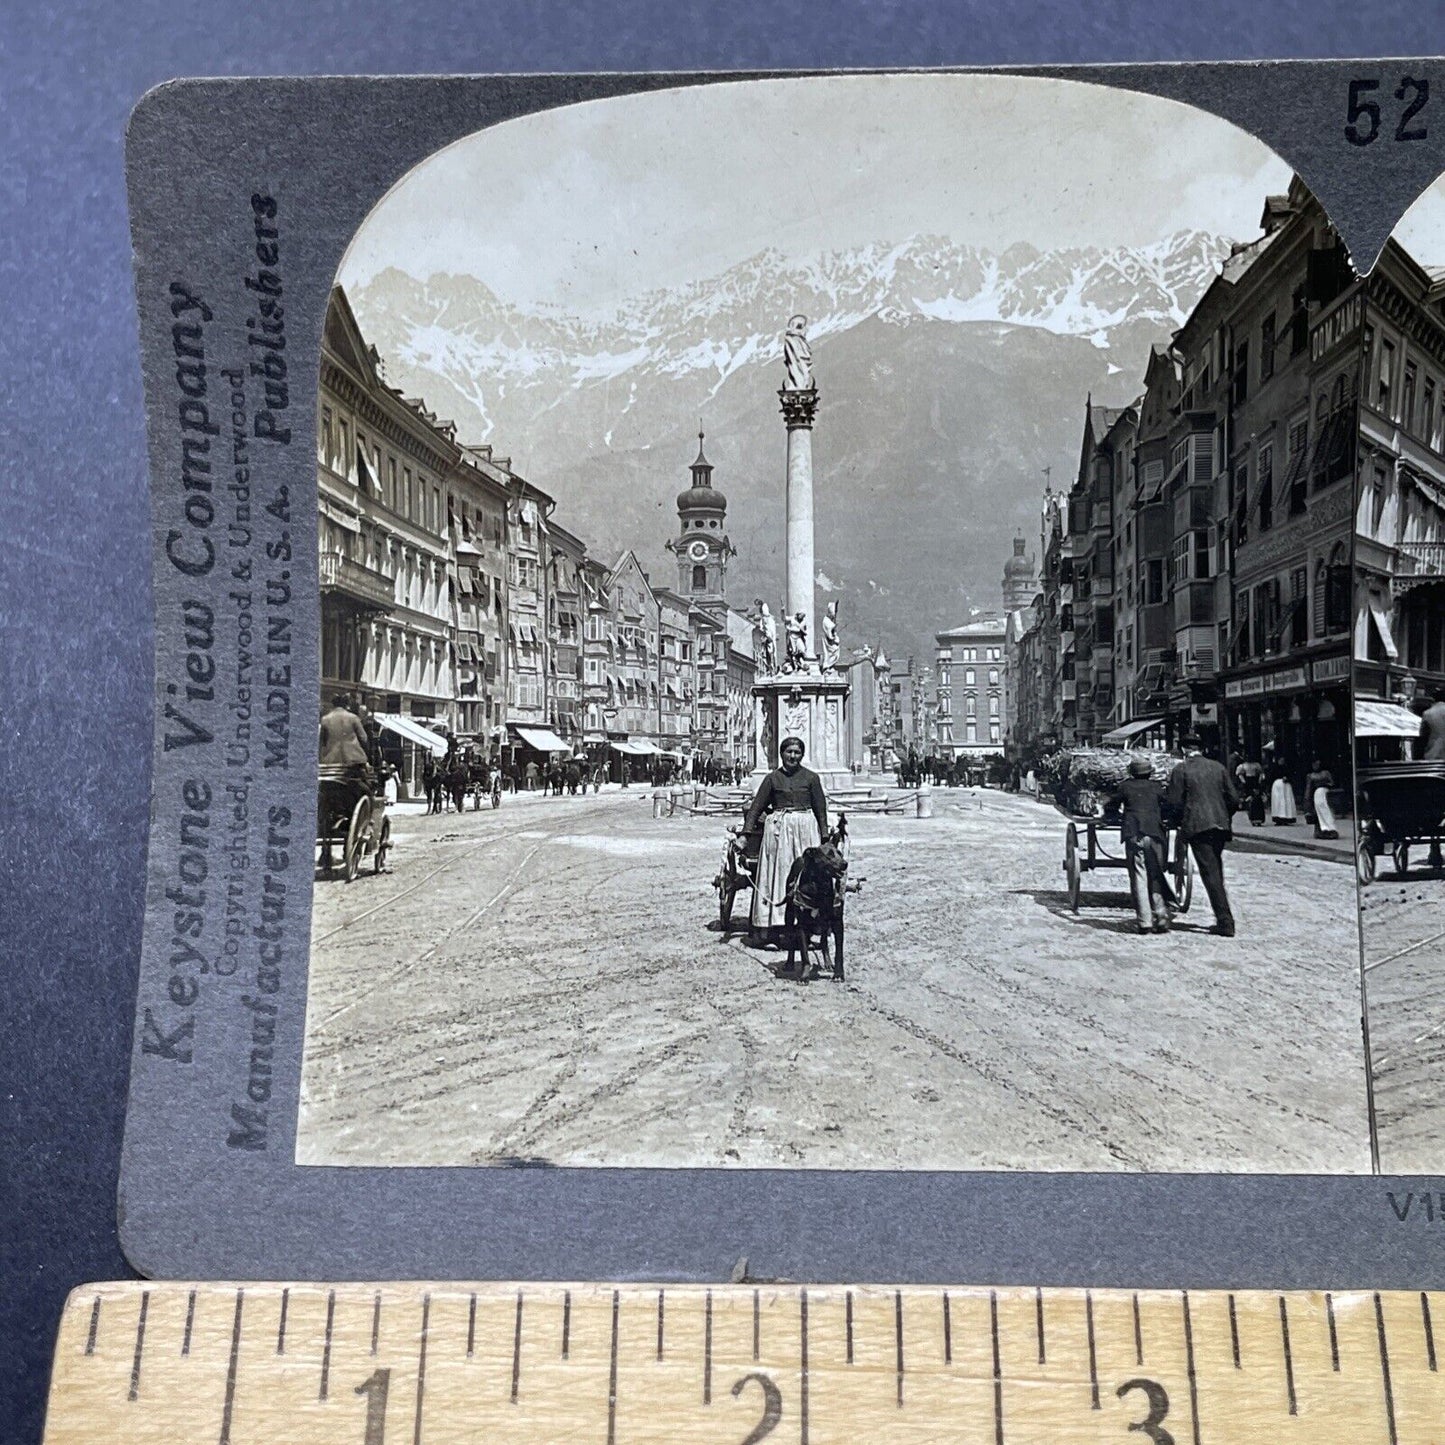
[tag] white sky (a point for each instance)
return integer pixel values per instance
(588, 204)
(1422, 228)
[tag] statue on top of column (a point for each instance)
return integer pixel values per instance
(798, 355)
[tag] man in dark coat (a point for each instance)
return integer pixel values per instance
(1432, 730)
(1202, 796)
(1144, 840)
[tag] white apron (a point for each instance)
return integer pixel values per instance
(785, 836)
(1281, 801)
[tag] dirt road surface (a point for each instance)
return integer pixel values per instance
(548, 984)
(1404, 934)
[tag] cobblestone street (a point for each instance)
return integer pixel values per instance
(548, 984)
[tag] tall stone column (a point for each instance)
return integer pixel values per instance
(799, 408)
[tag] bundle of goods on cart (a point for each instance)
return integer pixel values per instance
(1085, 781)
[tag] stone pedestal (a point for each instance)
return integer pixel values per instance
(807, 705)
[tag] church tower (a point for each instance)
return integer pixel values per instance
(702, 544)
(1019, 579)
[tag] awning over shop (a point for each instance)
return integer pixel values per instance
(1132, 729)
(543, 739)
(1382, 626)
(1384, 720)
(636, 749)
(412, 731)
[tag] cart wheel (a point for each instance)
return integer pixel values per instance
(1183, 874)
(1365, 861)
(727, 890)
(1071, 864)
(383, 846)
(355, 836)
(1401, 856)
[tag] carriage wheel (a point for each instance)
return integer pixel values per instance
(727, 890)
(383, 847)
(1071, 864)
(1365, 860)
(1183, 874)
(1401, 856)
(355, 838)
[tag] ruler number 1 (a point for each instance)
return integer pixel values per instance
(1362, 113)
(375, 1388)
(1152, 1424)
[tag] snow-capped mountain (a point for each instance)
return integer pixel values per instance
(957, 372)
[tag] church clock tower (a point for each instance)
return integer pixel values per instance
(702, 545)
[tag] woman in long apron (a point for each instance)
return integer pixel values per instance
(792, 809)
(1281, 798)
(1317, 791)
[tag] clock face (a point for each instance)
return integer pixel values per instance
(697, 551)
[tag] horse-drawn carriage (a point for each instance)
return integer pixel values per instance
(351, 816)
(1400, 805)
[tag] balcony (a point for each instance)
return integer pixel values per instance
(353, 579)
(1420, 563)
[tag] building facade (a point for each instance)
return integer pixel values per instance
(971, 689)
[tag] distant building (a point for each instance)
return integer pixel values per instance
(971, 699)
(1020, 578)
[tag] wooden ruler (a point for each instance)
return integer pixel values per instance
(428, 1364)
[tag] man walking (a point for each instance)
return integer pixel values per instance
(1143, 838)
(1203, 797)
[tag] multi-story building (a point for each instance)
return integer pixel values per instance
(386, 609)
(477, 528)
(1399, 612)
(742, 670)
(680, 677)
(971, 690)
(566, 556)
(529, 652)
(635, 667)
(1289, 343)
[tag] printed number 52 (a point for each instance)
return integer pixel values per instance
(1361, 109)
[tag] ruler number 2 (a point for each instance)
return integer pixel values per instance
(1362, 114)
(772, 1406)
(375, 1387)
(1152, 1424)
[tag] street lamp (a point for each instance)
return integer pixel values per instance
(1405, 690)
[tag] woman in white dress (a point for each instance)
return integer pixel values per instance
(792, 810)
(1281, 798)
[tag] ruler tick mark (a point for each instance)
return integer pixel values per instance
(898, 1341)
(1189, 1362)
(566, 1322)
(661, 1306)
(1288, 1356)
(229, 1406)
(803, 1367)
(326, 1347)
(1334, 1336)
(281, 1326)
(376, 1319)
(1093, 1352)
(706, 1351)
(1039, 1322)
(1234, 1332)
(947, 1333)
(421, 1368)
(1385, 1369)
(517, 1349)
(997, 1369)
(471, 1327)
(140, 1341)
(612, 1378)
(1139, 1333)
(1429, 1330)
(94, 1326)
(848, 1322)
(190, 1321)
(757, 1326)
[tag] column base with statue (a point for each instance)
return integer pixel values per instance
(811, 706)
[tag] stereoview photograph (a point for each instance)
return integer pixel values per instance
(1398, 319)
(837, 614)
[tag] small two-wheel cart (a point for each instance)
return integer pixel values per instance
(351, 817)
(1083, 853)
(1400, 805)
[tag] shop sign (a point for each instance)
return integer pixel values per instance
(1331, 669)
(1286, 679)
(1206, 714)
(1244, 687)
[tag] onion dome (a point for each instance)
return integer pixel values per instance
(702, 496)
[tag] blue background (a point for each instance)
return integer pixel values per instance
(75, 661)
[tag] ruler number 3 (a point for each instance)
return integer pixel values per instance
(1362, 115)
(1152, 1424)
